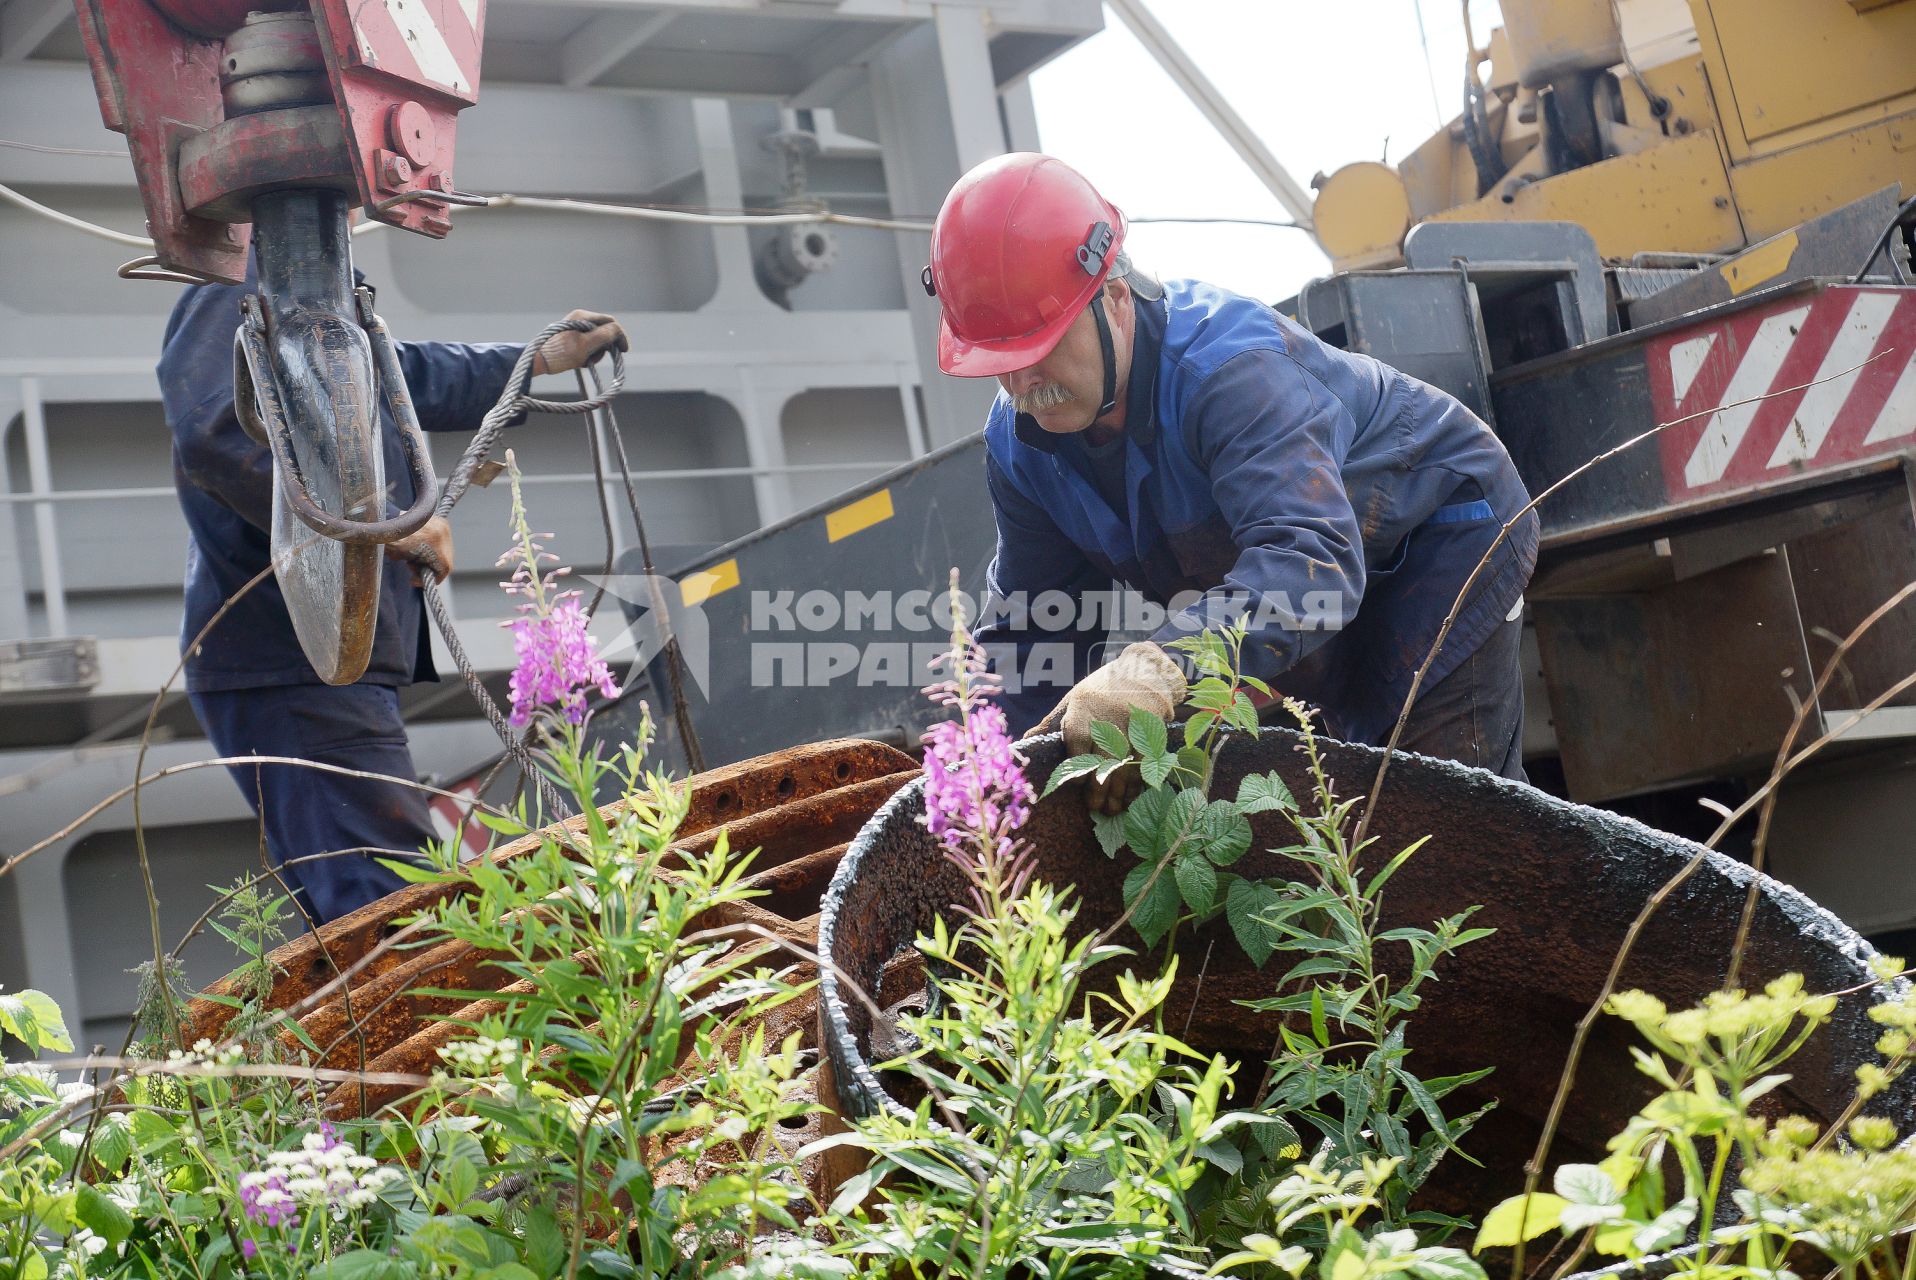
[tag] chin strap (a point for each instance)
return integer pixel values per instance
(1110, 357)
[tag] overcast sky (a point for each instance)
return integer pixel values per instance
(1324, 84)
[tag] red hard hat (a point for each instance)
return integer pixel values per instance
(1022, 245)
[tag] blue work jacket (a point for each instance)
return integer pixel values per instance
(1337, 503)
(225, 484)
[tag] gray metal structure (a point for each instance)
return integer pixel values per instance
(1691, 587)
(749, 397)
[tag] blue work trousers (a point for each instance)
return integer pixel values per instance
(1474, 715)
(307, 812)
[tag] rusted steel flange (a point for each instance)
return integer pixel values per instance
(1559, 882)
(313, 962)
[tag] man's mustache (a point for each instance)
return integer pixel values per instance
(1038, 399)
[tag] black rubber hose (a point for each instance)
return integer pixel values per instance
(1484, 152)
(1903, 212)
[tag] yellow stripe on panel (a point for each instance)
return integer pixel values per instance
(697, 588)
(858, 516)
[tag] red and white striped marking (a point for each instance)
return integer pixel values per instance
(429, 42)
(1850, 349)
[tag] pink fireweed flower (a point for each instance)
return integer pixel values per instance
(975, 787)
(556, 664)
(555, 661)
(976, 793)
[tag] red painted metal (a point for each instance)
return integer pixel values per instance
(402, 70)
(214, 17)
(1848, 350)
(159, 85)
(221, 170)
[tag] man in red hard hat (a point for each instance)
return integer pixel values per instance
(1199, 447)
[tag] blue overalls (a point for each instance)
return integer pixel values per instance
(249, 683)
(1336, 502)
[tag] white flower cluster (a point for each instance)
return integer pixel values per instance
(207, 1053)
(323, 1173)
(482, 1056)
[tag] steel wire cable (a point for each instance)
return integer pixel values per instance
(674, 659)
(512, 402)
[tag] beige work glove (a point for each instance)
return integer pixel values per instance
(574, 348)
(1144, 677)
(427, 551)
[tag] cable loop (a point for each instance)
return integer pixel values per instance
(512, 401)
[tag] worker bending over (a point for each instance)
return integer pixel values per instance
(1183, 439)
(250, 684)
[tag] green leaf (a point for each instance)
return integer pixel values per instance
(1245, 904)
(1586, 1184)
(1109, 828)
(1195, 729)
(1223, 1156)
(1314, 967)
(1197, 881)
(99, 1214)
(1425, 1103)
(1390, 869)
(1614, 1241)
(604, 1262)
(1110, 739)
(1440, 1086)
(1277, 1138)
(1260, 793)
(1225, 832)
(1535, 1214)
(459, 1182)
(56, 1213)
(545, 1242)
(1445, 1264)
(1580, 1217)
(113, 1142)
(1157, 910)
(1667, 1229)
(855, 1189)
(1074, 768)
(32, 1018)
(362, 1264)
(1144, 824)
(931, 1170)
(1148, 735)
(1156, 770)
(1344, 1254)
(1289, 1258)
(1320, 1030)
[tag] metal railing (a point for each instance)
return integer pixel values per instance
(45, 500)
